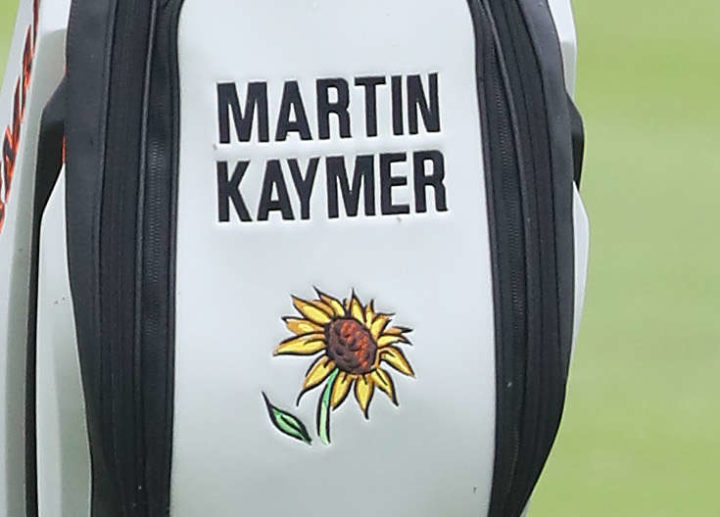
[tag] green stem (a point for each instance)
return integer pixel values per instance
(323, 415)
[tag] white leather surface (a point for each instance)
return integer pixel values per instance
(15, 236)
(434, 454)
(63, 450)
(565, 25)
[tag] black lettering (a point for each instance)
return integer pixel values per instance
(397, 105)
(9, 153)
(274, 182)
(292, 102)
(17, 117)
(256, 101)
(27, 68)
(370, 84)
(304, 186)
(418, 101)
(36, 17)
(229, 190)
(388, 181)
(434, 180)
(326, 107)
(362, 176)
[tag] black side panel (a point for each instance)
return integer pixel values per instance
(49, 163)
(561, 171)
(529, 175)
(119, 205)
(88, 48)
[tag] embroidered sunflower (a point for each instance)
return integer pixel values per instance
(356, 345)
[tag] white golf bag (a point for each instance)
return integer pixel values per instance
(315, 257)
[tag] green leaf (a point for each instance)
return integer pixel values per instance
(286, 423)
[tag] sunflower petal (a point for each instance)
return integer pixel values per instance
(364, 389)
(395, 358)
(333, 303)
(311, 311)
(307, 344)
(397, 331)
(356, 309)
(323, 307)
(383, 381)
(302, 326)
(379, 324)
(369, 313)
(318, 372)
(387, 339)
(341, 388)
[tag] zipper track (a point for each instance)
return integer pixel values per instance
(122, 398)
(505, 215)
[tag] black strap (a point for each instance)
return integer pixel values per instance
(49, 163)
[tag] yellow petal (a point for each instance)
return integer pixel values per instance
(323, 307)
(333, 303)
(356, 309)
(396, 359)
(302, 326)
(369, 314)
(341, 389)
(379, 324)
(307, 344)
(383, 381)
(386, 340)
(397, 331)
(318, 372)
(364, 389)
(311, 311)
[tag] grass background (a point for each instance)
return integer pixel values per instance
(641, 434)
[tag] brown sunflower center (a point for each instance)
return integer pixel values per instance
(351, 346)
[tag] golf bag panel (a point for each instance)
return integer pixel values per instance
(253, 189)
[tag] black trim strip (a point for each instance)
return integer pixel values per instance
(578, 140)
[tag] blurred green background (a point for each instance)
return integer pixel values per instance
(641, 434)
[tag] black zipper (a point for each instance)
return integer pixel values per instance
(507, 242)
(527, 180)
